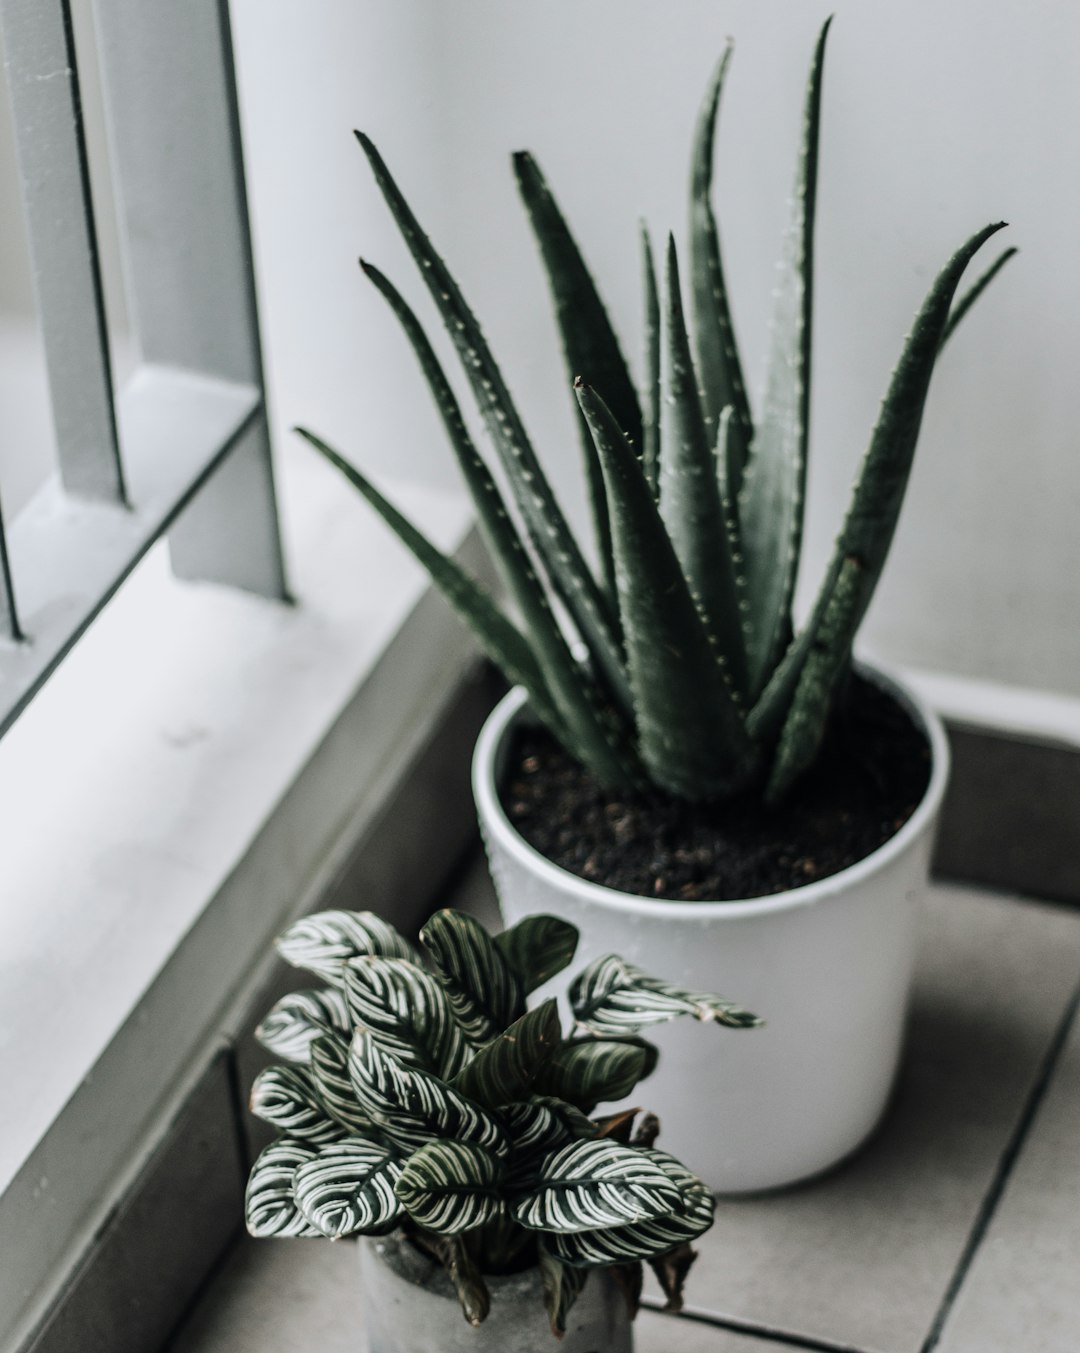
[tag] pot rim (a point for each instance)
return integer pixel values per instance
(495, 821)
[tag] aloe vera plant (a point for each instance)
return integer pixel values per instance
(419, 1093)
(684, 671)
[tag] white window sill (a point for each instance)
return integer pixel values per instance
(177, 790)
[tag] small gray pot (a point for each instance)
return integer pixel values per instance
(409, 1306)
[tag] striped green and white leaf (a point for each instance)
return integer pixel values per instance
(593, 1184)
(450, 1187)
(537, 1127)
(347, 1188)
(612, 996)
(287, 1097)
(485, 993)
(330, 1076)
(324, 942)
(506, 1068)
(269, 1202)
(410, 1107)
(407, 1013)
(537, 948)
(562, 1287)
(689, 1218)
(299, 1018)
(591, 1071)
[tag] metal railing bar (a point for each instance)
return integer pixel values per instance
(70, 555)
(43, 85)
(9, 612)
(173, 122)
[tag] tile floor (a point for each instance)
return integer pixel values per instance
(957, 1228)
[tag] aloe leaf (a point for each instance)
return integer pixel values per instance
(588, 737)
(804, 728)
(692, 737)
(484, 992)
(537, 948)
(286, 1097)
(650, 432)
(687, 1219)
(774, 490)
(548, 531)
(299, 1018)
(348, 1189)
(612, 996)
(506, 1069)
(562, 1287)
(269, 1200)
(330, 1076)
(562, 675)
(590, 1071)
(325, 941)
(449, 1187)
(589, 342)
(878, 496)
(690, 497)
(718, 355)
(410, 1107)
(593, 1184)
(972, 294)
(407, 1013)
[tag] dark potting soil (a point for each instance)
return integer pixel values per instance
(872, 772)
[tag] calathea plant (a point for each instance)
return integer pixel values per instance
(691, 677)
(424, 1096)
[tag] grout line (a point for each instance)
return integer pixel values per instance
(751, 1330)
(1008, 1160)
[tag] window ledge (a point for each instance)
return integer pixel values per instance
(191, 774)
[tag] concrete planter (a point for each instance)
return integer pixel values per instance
(409, 1306)
(828, 966)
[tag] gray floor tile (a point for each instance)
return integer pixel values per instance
(656, 1333)
(863, 1257)
(1023, 1289)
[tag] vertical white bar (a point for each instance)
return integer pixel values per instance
(43, 86)
(170, 96)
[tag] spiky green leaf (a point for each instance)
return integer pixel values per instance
(549, 533)
(449, 1187)
(589, 343)
(502, 642)
(721, 374)
(506, 1069)
(691, 503)
(774, 489)
(269, 1202)
(879, 491)
(590, 1071)
(560, 672)
(562, 1287)
(299, 1018)
(650, 432)
(972, 294)
(612, 996)
(537, 948)
(807, 719)
(347, 1188)
(286, 1096)
(407, 1013)
(593, 1184)
(692, 736)
(325, 941)
(485, 993)
(410, 1107)
(688, 1218)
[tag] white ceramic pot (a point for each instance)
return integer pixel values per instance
(828, 966)
(409, 1306)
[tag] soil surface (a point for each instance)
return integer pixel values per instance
(872, 771)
